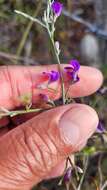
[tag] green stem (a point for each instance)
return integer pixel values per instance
(60, 71)
(31, 18)
(19, 112)
(59, 64)
(83, 176)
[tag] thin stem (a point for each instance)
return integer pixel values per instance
(59, 68)
(30, 17)
(73, 166)
(51, 36)
(73, 184)
(68, 89)
(19, 112)
(104, 186)
(66, 165)
(66, 94)
(82, 178)
(61, 77)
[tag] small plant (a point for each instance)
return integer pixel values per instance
(69, 75)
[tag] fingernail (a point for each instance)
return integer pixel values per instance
(68, 129)
(78, 124)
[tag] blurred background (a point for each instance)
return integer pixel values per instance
(81, 30)
(82, 33)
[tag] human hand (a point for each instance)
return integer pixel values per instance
(37, 149)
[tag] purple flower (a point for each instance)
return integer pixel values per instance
(75, 65)
(53, 76)
(57, 8)
(100, 128)
(68, 175)
(72, 70)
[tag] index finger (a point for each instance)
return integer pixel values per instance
(16, 81)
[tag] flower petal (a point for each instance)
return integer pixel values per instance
(53, 76)
(57, 8)
(68, 175)
(100, 128)
(75, 64)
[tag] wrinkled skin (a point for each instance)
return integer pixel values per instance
(37, 148)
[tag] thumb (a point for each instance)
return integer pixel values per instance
(29, 152)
